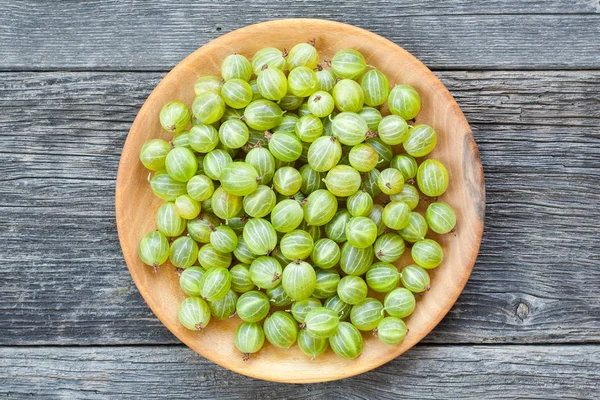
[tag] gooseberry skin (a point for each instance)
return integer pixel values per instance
(287, 181)
(348, 64)
(348, 96)
(376, 88)
(382, 277)
(427, 253)
(154, 249)
(321, 322)
(199, 228)
(296, 245)
(352, 289)
(400, 303)
(226, 205)
(416, 229)
(153, 154)
(183, 252)
(243, 253)
(200, 187)
(278, 297)
(249, 338)
(168, 221)
(288, 123)
(372, 117)
(384, 151)
(346, 342)
(260, 236)
(363, 157)
(175, 116)
(240, 278)
(349, 128)
(239, 178)
(336, 228)
(285, 146)
(215, 284)
(310, 346)
(320, 207)
(327, 282)
(181, 164)
(404, 101)
(302, 307)
(269, 56)
(324, 153)
(376, 216)
(265, 272)
(223, 239)
(367, 314)
(361, 232)
(409, 195)
(391, 330)
(236, 93)
(392, 130)
(309, 128)
(354, 260)
(233, 133)
(209, 258)
(272, 84)
(194, 313)
(396, 215)
(287, 215)
(342, 180)
(302, 81)
(203, 138)
(290, 101)
(440, 217)
(236, 66)
(208, 107)
(255, 93)
(360, 204)
(415, 278)
(302, 54)
(208, 83)
(432, 178)
(326, 253)
(181, 139)
(321, 104)
(341, 308)
(264, 162)
(420, 140)
(260, 203)
(406, 164)
(214, 162)
(389, 247)
(299, 280)
(311, 179)
(370, 183)
(189, 281)
(262, 115)
(390, 181)
(253, 306)
(280, 329)
(223, 309)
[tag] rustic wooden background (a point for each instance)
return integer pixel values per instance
(73, 75)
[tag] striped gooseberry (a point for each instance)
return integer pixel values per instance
(242, 253)
(249, 338)
(360, 204)
(416, 229)
(153, 154)
(392, 130)
(255, 93)
(200, 187)
(367, 314)
(400, 302)
(280, 329)
(432, 178)
(260, 236)
(325, 78)
(327, 282)
(348, 96)
(349, 127)
(189, 280)
(223, 238)
(187, 207)
(290, 101)
(321, 104)
(203, 138)
(209, 258)
(354, 260)
(208, 83)
(302, 307)
(382, 277)
(259, 203)
(391, 330)
(175, 116)
(194, 313)
(199, 228)
(396, 215)
(427, 253)
(310, 346)
(278, 296)
(296, 245)
(346, 342)
(389, 247)
(183, 252)
(215, 283)
(265, 272)
(154, 249)
(181, 164)
(352, 289)
(272, 83)
(321, 322)
(269, 56)
(341, 308)
(309, 128)
(264, 163)
(361, 232)
(390, 181)
(236, 66)
(404, 101)
(208, 107)
(240, 278)
(287, 181)
(287, 215)
(181, 139)
(415, 278)
(406, 164)
(299, 280)
(320, 207)
(370, 183)
(326, 253)
(311, 179)
(342, 180)
(288, 123)
(348, 64)
(168, 221)
(336, 228)
(233, 133)
(223, 309)
(226, 205)
(214, 162)
(285, 146)
(440, 217)
(376, 87)
(384, 151)
(253, 306)
(324, 153)
(302, 54)
(409, 195)
(372, 117)
(302, 81)
(363, 157)
(420, 140)
(239, 178)
(262, 115)
(236, 93)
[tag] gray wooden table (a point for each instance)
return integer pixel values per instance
(73, 76)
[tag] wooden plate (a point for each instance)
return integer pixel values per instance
(136, 205)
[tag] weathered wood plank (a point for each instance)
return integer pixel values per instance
(154, 35)
(425, 372)
(64, 281)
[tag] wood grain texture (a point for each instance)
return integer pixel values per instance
(136, 204)
(64, 280)
(425, 372)
(155, 35)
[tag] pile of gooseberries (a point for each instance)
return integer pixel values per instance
(289, 195)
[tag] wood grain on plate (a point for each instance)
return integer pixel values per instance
(456, 148)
